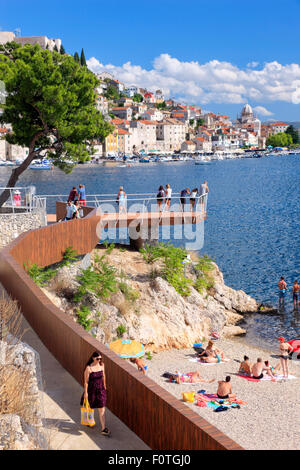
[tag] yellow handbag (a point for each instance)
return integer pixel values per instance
(87, 414)
(188, 396)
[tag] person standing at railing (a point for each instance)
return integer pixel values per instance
(183, 195)
(204, 189)
(168, 195)
(17, 198)
(160, 197)
(121, 200)
(193, 198)
(73, 194)
(82, 195)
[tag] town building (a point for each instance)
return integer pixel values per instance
(43, 41)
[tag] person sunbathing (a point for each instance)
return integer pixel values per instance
(211, 351)
(272, 371)
(225, 389)
(245, 366)
(190, 377)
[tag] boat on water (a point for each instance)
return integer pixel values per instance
(41, 165)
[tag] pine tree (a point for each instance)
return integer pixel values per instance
(55, 48)
(76, 57)
(293, 133)
(62, 50)
(82, 58)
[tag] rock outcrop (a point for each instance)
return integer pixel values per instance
(160, 317)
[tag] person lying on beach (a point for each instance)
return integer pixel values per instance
(225, 389)
(245, 366)
(140, 364)
(190, 377)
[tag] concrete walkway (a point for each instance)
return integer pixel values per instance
(61, 397)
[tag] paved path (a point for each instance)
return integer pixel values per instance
(61, 397)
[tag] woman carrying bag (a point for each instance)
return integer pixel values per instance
(95, 388)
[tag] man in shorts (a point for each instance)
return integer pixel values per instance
(282, 291)
(183, 196)
(225, 389)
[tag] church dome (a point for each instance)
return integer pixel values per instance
(247, 109)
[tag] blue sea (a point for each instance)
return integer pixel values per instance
(252, 229)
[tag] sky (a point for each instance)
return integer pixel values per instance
(219, 54)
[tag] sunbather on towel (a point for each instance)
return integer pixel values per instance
(190, 377)
(272, 371)
(211, 351)
(245, 367)
(225, 389)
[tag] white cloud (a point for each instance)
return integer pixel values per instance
(213, 81)
(253, 65)
(262, 111)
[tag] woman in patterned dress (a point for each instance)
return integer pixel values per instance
(95, 388)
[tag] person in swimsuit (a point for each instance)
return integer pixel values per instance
(211, 354)
(245, 366)
(282, 291)
(225, 389)
(296, 293)
(272, 371)
(257, 369)
(190, 377)
(139, 363)
(284, 349)
(95, 388)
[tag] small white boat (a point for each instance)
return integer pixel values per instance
(41, 165)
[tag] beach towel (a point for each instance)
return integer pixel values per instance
(266, 377)
(213, 398)
(208, 363)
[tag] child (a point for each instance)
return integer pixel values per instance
(140, 364)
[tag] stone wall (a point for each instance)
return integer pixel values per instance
(12, 225)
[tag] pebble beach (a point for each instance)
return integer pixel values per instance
(270, 420)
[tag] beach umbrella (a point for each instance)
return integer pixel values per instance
(127, 348)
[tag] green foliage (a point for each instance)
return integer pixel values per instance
(130, 294)
(293, 133)
(70, 256)
(173, 268)
(98, 279)
(161, 105)
(149, 355)
(82, 59)
(204, 280)
(82, 315)
(200, 122)
(109, 246)
(111, 93)
(50, 104)
(121, 330)
(280, 140)
(137, 98)
(41, 276)
(76, 57)
(62, 50)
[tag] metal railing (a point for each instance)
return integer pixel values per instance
(23, 199)
(139, 202)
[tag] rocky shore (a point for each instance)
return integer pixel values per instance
(149, 309)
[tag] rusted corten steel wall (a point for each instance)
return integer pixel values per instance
(157, 417)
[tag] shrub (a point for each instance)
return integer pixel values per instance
(121, 330)
(70, 255)
(130, 294)
(82, 315)
(98, 279)
(41, 276)
(204, 280)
